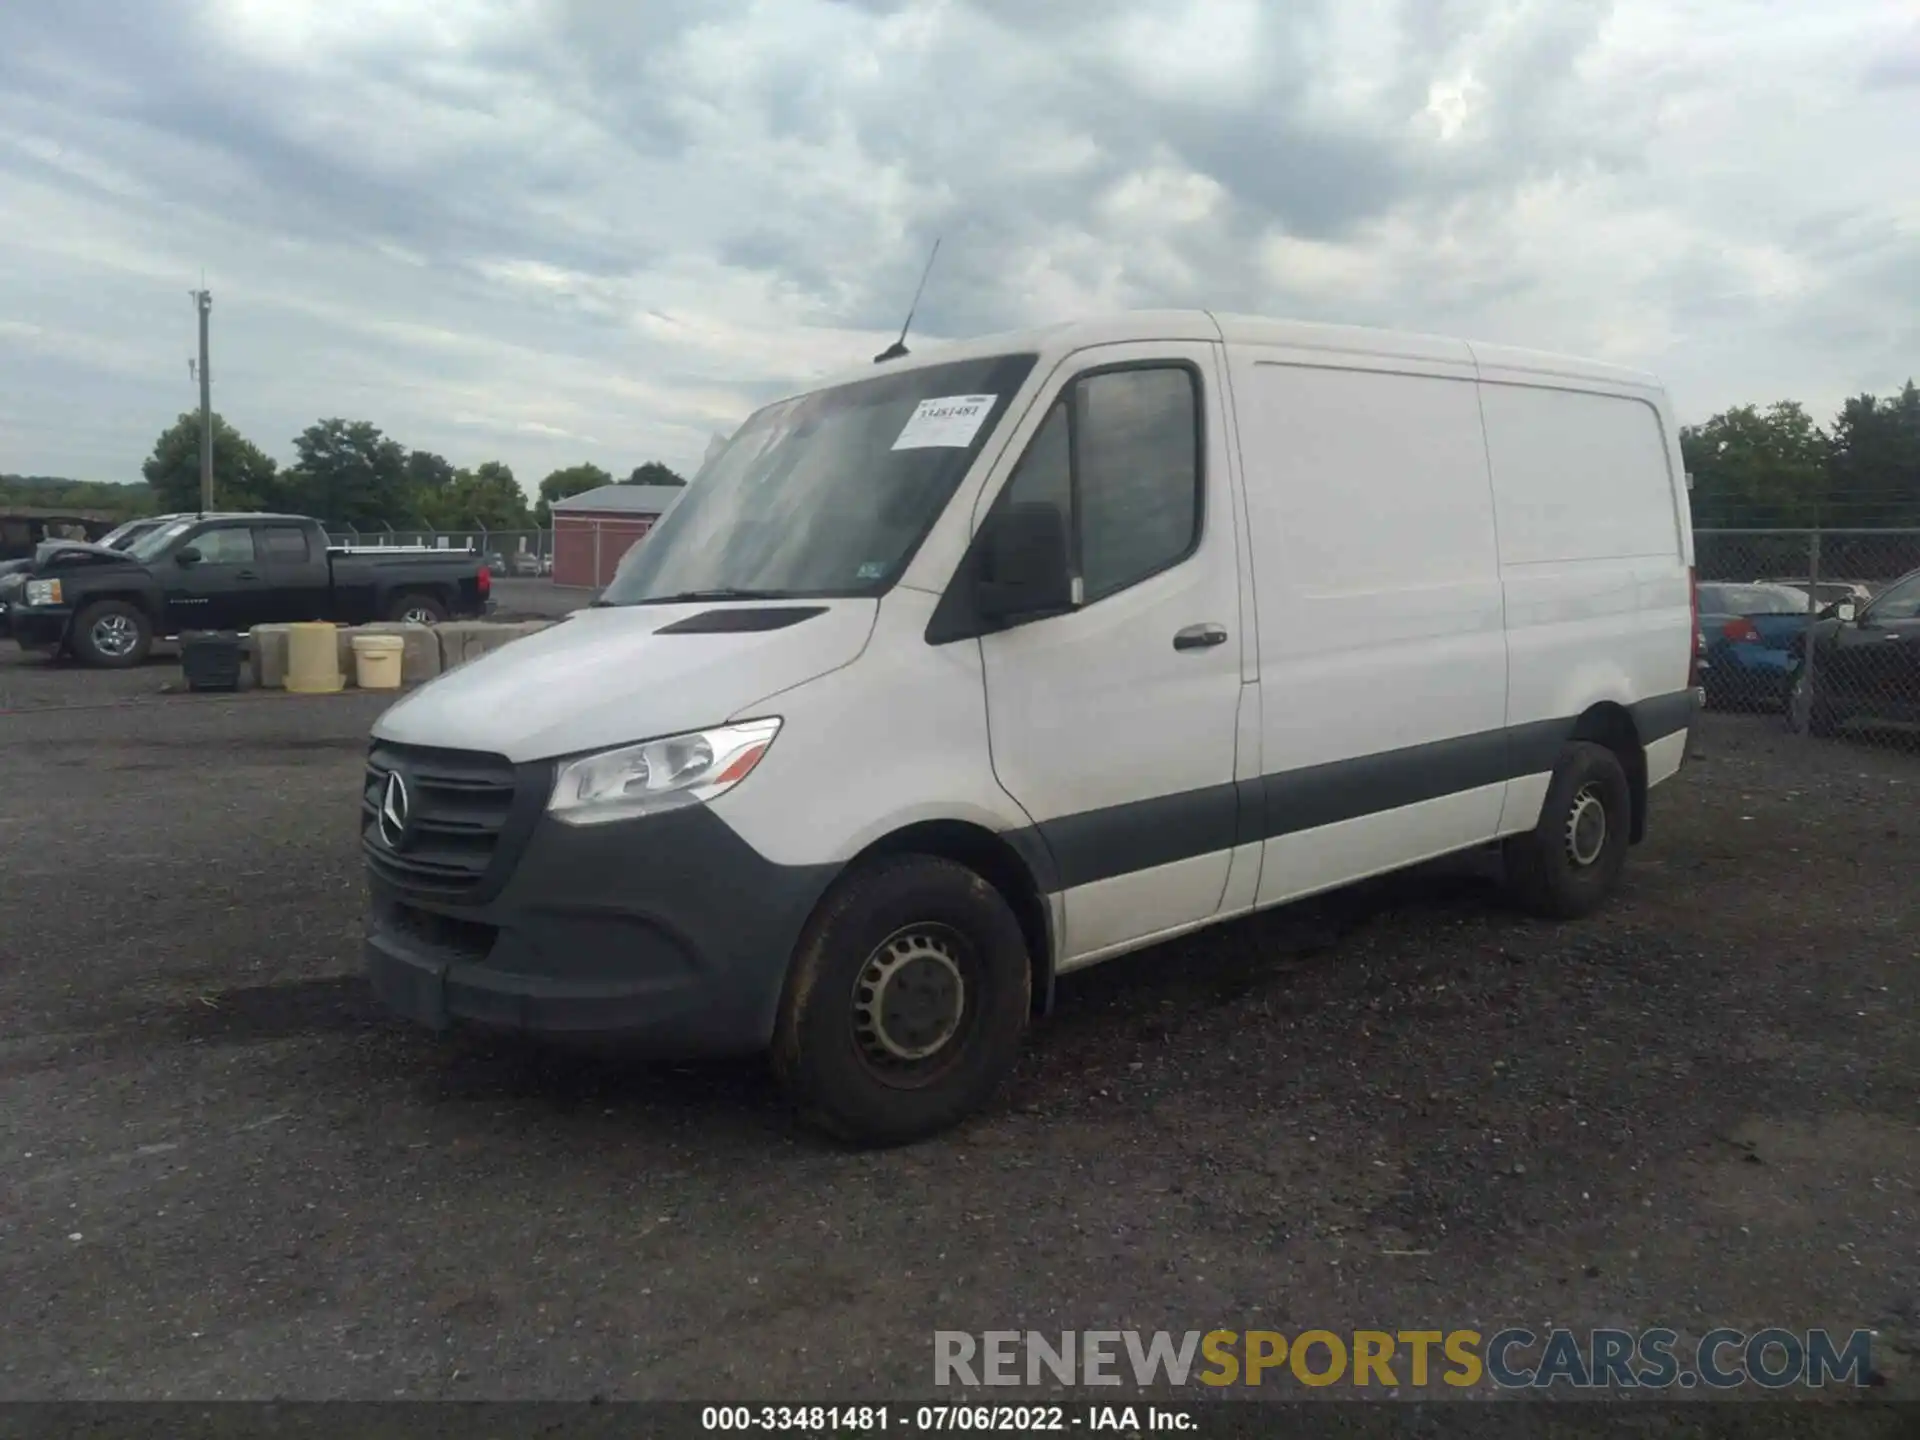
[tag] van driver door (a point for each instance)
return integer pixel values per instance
(1114, 724)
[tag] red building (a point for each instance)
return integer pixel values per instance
(593, 529)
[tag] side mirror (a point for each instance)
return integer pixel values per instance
(1023, 565)
(1846, 610)
(186, 555)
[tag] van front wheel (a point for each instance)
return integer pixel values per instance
(1569, 862)
(906, 1004)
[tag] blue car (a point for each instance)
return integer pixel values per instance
(1750, 633)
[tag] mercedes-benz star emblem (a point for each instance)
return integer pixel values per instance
(395, 807)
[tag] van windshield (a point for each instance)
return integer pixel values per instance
(827, 494)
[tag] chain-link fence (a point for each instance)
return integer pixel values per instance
(1819, 626)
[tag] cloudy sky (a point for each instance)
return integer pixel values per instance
(553, 230)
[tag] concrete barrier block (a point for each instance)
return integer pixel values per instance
(464, 640)
(420, 660)
(452, 641)
(267, 656)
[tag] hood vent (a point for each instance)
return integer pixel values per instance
(742, 620)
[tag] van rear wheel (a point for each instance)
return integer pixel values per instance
(907, 1002)
(1571, 861)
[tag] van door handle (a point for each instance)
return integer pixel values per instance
(1200, 637)
(246, 575)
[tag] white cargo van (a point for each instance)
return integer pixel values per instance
(991, 663)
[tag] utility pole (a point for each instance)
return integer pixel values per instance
(203, 302)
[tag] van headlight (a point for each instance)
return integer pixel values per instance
(43, 592)
(658, 775)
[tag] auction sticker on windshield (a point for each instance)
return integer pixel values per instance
(945, 422)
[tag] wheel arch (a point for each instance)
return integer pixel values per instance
(147, 603)
(398, 597)
(1013, 868)
(1611, 724)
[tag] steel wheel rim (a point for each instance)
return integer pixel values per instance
(911, 1002)
(115, 636)
(417, 617)
(1587, 827)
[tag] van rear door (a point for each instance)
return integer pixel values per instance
(1114, 725)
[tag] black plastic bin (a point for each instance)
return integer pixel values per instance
(210, 659)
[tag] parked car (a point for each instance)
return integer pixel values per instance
(230, 572)
(852, 785)
(1866, 663)
(524, 564)
(1750, 633)
(121, 536)
(496, 563)
(1828, 592)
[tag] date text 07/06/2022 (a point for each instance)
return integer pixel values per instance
(930, 1419)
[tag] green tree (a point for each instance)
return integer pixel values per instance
(488, 498)
(244, 476)
(654, 473)
(1758, 469)
(54, 492)
(427, 472)
(428, 478)
(1876, 460)
(348, 473)
(562, 483)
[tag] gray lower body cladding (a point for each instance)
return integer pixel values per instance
(674, 934)
(668, 932)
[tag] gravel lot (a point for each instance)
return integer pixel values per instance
(226, 1175)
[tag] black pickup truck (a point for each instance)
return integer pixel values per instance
(229, 572)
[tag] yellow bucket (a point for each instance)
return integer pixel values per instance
(313, 658)
(376, 661)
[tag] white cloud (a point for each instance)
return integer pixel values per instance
(555, 230)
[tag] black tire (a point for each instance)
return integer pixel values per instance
(425, 609)
(1562, 869)
(843, 1051)
(111, 635)
(1807, 714)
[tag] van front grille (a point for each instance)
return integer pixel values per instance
(437, 829)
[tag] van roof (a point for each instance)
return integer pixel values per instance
(1304, 335)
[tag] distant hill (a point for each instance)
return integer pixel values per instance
(56, 491)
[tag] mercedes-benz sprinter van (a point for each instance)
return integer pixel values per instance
(986, 664)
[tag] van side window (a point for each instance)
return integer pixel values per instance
(1119, 457)
(1044, 475)
(1137, 467)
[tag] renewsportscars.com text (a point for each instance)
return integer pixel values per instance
(1511, 1359)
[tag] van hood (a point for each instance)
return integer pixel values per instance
(609, 677)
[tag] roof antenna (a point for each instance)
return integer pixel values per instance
(899, 347)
